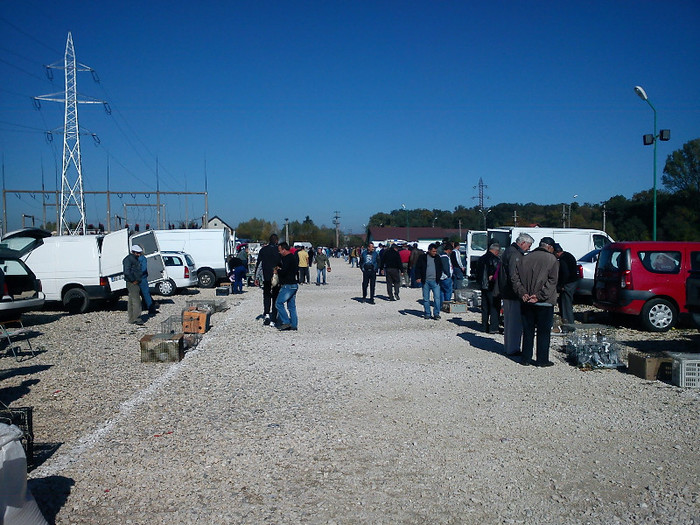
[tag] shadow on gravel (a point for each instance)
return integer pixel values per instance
(416, 313)
(43, 451)
(13, 393)
(36, 319)
(487, 344)
(51, 494)
(22, 371)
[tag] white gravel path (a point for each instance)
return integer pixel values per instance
(367, 414)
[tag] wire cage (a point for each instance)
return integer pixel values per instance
(593, 346)
(21, 417)
(213, 305)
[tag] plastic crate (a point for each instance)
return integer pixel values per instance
(686, 370)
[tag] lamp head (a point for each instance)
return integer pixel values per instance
(639, 90)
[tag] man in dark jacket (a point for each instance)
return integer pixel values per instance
(269, 258)
(369, 262)
(566, 284)
(512, 325)
(485, 276)
(132, 275)
(392, 271)
(535, 282)
(412, 261)
(429, 274)
(287, 273)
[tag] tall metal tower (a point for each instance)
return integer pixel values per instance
(484, 211)
(72, 175)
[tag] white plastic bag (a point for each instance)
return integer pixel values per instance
(17, 505)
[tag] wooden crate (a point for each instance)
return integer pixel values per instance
(195, 321)
(162, 348)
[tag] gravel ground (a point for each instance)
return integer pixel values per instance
(367, 414)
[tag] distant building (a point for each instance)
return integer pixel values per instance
(216, 223)
(380, 234)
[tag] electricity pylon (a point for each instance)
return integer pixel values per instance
(71, 187)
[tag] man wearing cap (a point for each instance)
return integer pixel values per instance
(132, 275)
(535, 282)
(566, 285)
(512, 324)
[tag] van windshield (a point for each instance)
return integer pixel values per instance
(479, 241)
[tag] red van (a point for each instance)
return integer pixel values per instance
(647, 279)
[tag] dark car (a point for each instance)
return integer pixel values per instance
(21, 290)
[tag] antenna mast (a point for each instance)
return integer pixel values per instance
(71, 190)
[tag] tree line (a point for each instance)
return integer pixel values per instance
(678, 213)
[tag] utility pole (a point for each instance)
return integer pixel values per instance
(71, 189)
(515, 217)
(337, 228)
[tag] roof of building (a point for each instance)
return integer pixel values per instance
(410, 234)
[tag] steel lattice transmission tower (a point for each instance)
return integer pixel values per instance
(72, 173)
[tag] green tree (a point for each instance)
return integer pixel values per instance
(682, 170)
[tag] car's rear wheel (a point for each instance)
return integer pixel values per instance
(76, 301)
(659, 315)
(207, 279)
(166, 288)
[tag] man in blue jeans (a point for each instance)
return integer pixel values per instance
(287, 274)
(429, 273)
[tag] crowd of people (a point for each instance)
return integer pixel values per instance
(525, 288)
(523, 283)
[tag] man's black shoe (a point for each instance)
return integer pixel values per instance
(371, 301)
(545, 364)
(285, 326)
(266, 322)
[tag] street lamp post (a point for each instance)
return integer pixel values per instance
(652, 139)
(575, 196)
(485, 213)
(408, 236)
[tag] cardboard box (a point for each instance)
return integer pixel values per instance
(650, 366)
(162, 348)
(195, 321)
(452, 307)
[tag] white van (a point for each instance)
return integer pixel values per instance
(79, 269)
(475, 245)
(208, 247)
(576, 241)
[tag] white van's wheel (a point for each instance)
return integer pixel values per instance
(76, 301)
(206, 279)
(166, 288)
(658, 315)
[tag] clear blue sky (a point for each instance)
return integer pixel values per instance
(307, 107)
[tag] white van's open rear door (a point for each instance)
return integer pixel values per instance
(115, 246)
(149, 244)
